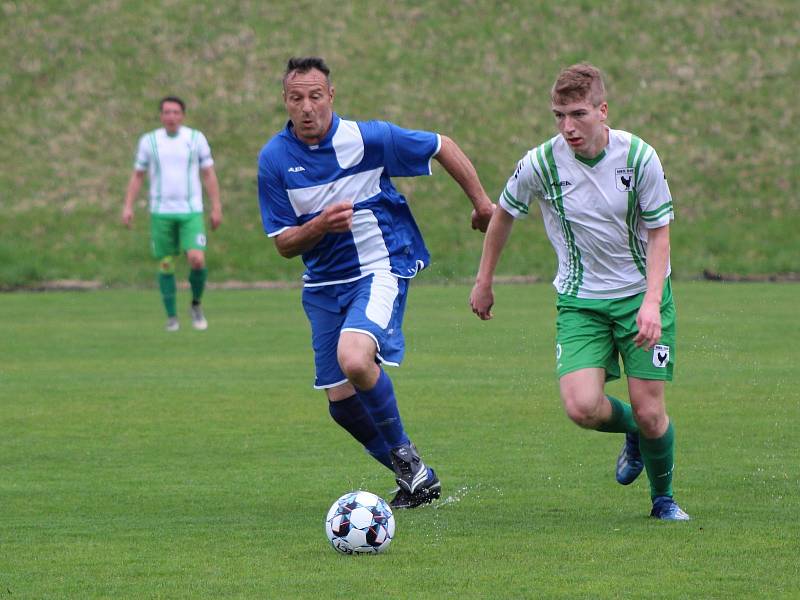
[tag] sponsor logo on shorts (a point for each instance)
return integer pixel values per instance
(200, 240)
(660, 356)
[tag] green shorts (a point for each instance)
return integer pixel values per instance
(595, 333)
(172, 234)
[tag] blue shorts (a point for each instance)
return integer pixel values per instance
(373, 305)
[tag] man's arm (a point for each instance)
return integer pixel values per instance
(336, 218)
(482, 298)
(649, 318)
(211, 184)
(134, 185)
(458, 165)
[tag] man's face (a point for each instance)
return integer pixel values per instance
(171, 116)
(309, 102)
(583, 126)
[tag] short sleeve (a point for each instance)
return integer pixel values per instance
(142, 159)
(521, 189)
(655, 199)
(277, 213)
(204, 151)
(408, 152)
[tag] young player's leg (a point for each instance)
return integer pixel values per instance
(193, 242)
(647, 372)
(586, 358)
(657, 444)
(371, 334)
(345, 407)
(164, 243)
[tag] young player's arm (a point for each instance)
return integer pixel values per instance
(211, 183)
(336, 218)
(481, 299)
(134, 185)
(460, 168)
(649, 318)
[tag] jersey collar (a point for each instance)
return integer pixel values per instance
(591, 162)
(289, 133)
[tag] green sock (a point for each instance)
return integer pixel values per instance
(197, 279)
(166, 283)
(659, 461)
(621, 420)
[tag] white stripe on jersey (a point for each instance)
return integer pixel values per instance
(382, 294)
(348, 144)
(373, 254)
(356, 188)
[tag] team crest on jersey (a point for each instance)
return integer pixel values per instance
(624, 179)
(660, 356)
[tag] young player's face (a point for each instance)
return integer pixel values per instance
(309, 102)
(583, 126)
(171, 116)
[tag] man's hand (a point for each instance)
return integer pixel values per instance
(338, 217)
(127, 217)
(480, 219)
(216, 217)
(481, 301)
(649, 323)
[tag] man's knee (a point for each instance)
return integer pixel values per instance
(355, 365)
(196, 258)
(583, 409)
(166, 265)
(583, 397)
(356, 356)
(652, 419)
(647, 401)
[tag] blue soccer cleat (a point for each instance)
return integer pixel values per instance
(629, 462)
(666, 509)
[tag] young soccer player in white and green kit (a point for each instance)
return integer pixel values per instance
(607, 209)
(176, 158)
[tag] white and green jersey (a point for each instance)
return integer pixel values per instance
(174, 164)
(596, 212)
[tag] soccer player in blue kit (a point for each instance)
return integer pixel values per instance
(325, 193)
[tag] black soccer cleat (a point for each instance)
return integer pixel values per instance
(410, 472)
(424, 495)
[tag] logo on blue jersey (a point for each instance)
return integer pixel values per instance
(295, 169)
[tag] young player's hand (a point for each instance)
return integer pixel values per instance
(216, 217)
(338, 217)
(481, 301)
(480, 219)
(127, 217)
(649, 323)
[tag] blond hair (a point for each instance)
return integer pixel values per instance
(579, 82)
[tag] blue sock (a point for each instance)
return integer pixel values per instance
(351, 416)
(382, 407)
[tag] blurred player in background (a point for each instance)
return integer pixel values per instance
(325, 193)
(177, 158)
(607, 209)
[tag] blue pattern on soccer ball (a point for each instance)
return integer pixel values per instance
(360, 522)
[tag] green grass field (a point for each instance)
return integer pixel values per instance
(140, 464)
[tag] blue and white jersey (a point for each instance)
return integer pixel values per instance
(354, 162)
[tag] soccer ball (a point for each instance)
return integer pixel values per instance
(360, 523)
